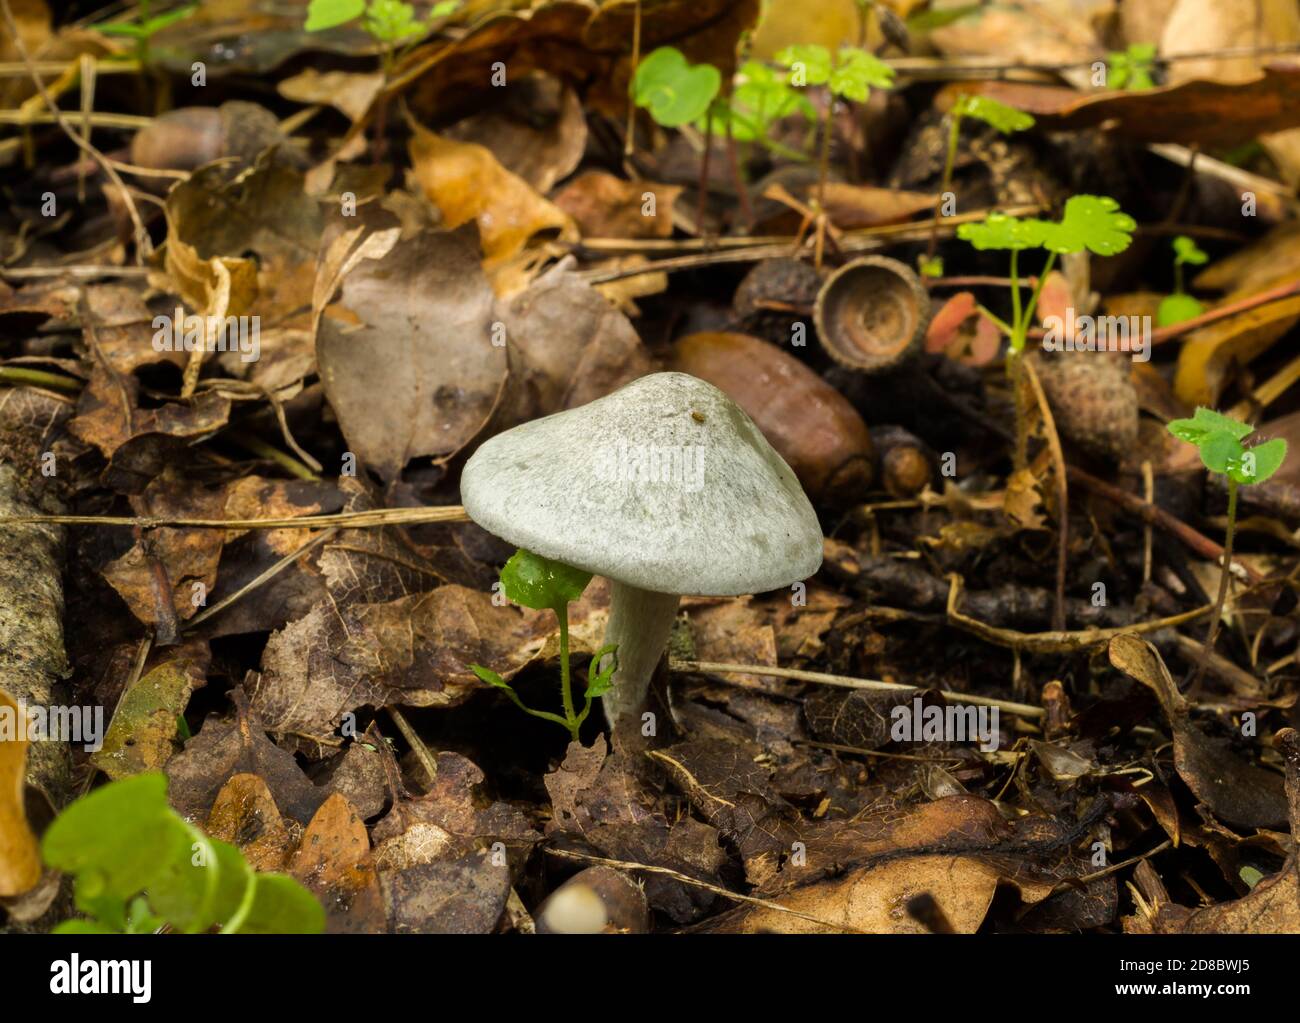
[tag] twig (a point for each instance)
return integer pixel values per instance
(1225, 573)
(417, 745)
(349, 520)
(845, 682)
(1062, 493)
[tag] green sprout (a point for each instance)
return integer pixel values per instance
(996, 115)
(143, 27)
(1180, 305)
(759, 98)
(139, 866)
(850, 73)
(1131, 69)
(673, 90)
(540, 583)
(1092, 222)
(1219, 438)
(390, 22)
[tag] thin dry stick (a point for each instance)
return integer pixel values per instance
(726, 893)
(1225, 574)
(629, 143)
(844, 682)
(350, 520)
(1148, 495)
(142, 244)
(1062, 493)
(261, 580)
(417, 745)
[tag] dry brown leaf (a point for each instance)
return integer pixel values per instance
(604, 206)
(334, 863)
(20, 857)
(466, 182)
(244, 814)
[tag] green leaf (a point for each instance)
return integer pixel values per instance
(114, 839)
(1220, 449)
(391, 21)
(1004, 118)
(759, 97)
(1207, 421)
(856, 72)
(1259, 463)
(1132, 67)
(540, 583)
(674, 91)
(602, 681)
(931, 267)
(809, 63)
(323, 14)
(1177, 308)
(1092, 222)
(157, 24)
(1187, 251)
(280, 905)
(123, 28)
(442, 9)
(999, 231)
(489, 676)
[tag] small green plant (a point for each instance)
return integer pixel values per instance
(144, 26)
(759, 98)
(138, 866)
(1219, 438)
(850, 74)
(390, 22)
(1180, 305)
(1000, 117)
(543, 584)
(673, 90)
(1131, 68)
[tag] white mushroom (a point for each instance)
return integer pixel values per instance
(665, 487)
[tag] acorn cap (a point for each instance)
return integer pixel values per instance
(665, 485)
(871, 314)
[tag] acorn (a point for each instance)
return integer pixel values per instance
(809, 423)
(598, 900)
(871, 314)
(775, 295)
(189, 137)
(906, 462)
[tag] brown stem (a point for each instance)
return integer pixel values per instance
(1217, 614)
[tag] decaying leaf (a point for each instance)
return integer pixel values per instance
(20, 858)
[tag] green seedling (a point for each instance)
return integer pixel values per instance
(674, 91)
(392, 23)
(1131, 69)
(1219, 438)
(542, 584)
(999, 116)
(138, 866)
(1091, 222)
(850, 74)
(144, 26)
(759, 98)
(1180, 305)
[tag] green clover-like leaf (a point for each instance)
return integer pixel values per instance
(323, 14)
(999, 231)
(1187, 251)
(1092, 222)
(672, 89)
(1206, 421)
(1257, 464)
(391, 21)
(1177, 308)
(1219, 450)
(1004, 118)
(490, 677)
(809, 63)
(1132, 68)
(540, 583)
(856, 71)
(759, 97)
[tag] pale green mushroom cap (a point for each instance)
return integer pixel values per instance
(665, 485)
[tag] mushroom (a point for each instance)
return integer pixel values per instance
(665, 487)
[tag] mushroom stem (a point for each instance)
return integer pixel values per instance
(640, 622)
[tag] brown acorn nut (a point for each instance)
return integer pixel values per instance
(906, 462)
(598, 900)
(809, 423)
(188, 137)
(871, 314)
